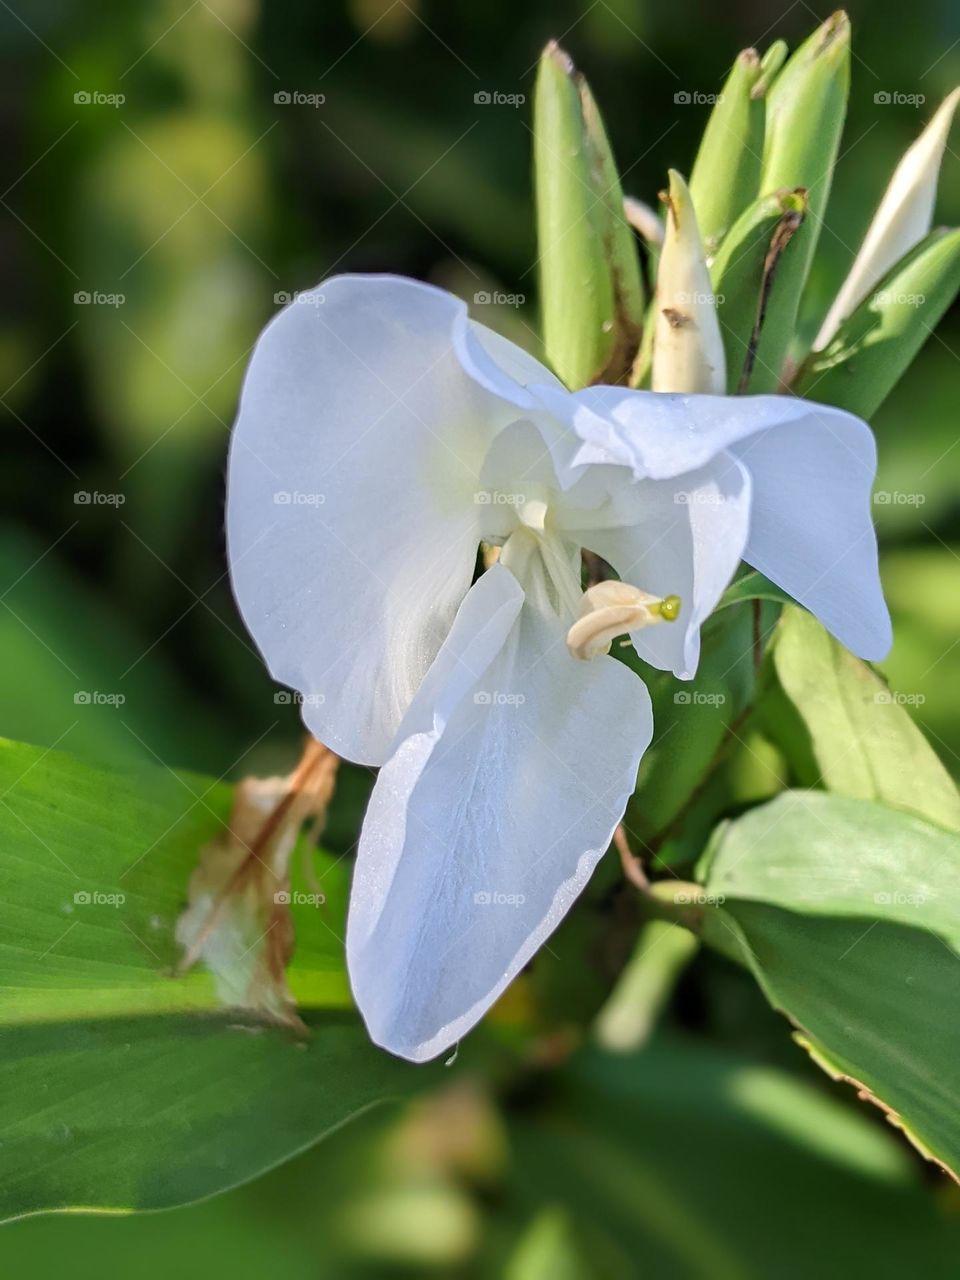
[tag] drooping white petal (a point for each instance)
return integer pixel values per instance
(903, 218)
(352, 515)
(812, 469)
(510, 772)
(687, 539)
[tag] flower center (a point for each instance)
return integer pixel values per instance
(609, 609)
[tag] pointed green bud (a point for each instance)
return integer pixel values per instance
(805, 112)
(590, 285)
(904, 217)
(687, 347)
(874, 346)
(726, 172)
(745, 274)
(770, 66)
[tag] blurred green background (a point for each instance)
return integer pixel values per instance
(174, 171)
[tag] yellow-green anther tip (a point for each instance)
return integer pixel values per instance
(669, 608)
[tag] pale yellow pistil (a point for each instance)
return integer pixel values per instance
(611, 609)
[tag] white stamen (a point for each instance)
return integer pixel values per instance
(609, 609)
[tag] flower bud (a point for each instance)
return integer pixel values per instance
(903, 218)
(687, 346)
(591, 290)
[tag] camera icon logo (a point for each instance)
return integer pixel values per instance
(283, 697)
(82, 97)
(482, 698)
(82, 298)
(82, 898)
(682, 98)
(482, 98)
(282, 897)
(682, 698)
(282, 98)
(882, 98)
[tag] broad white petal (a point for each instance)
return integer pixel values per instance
(687, 539)
(812, 469)
(352, 517)
(511, 770)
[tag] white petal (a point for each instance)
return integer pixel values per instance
(687, 539)
(812, 469)
(352, 517)
(511, 771)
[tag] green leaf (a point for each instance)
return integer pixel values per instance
(745, 273)
(75, 672)
(123, 1086)
(862, 738)
(591, 293)
(703, 1164)
(726, 173)
(848, 914)
(873, 347)
(695, 719)
(805, 112)
(753, 586)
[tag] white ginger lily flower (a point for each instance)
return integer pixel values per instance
(382, 436)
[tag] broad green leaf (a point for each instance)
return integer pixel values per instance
(591, 294)
(125, 1087)
(701, 1164)
(862, 738)
(920, 586)
(874, 346)
(726, 172)
(847, 913)
(77, 673)
(745, 272)
(805, 112)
